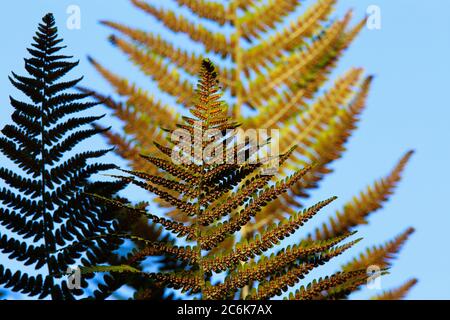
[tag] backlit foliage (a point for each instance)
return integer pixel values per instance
(43, 206)
(274, 73)
(397, 293)
(208, 194)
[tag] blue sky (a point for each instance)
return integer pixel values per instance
(407, 109)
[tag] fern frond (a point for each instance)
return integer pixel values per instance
(25, 228)
(285, 267)
(175, 170)
(355, 212)
(32, 286)
(380, 256)
(280, 283)
(219, 233)
(270, 50)
(168, 78)
(213, 42)
(184, 280)
(287, 103)
(173, 226)
(49, 206)
(145, 105)
(397, 293)
(303, 129)
(180, 280)
(265, 17)
(150, 248)
(319, 290)
(160, 181)
(286, 72)
(245, 251)
(235, 201)
(207, 9)
(188, 62)
(280, 77)
(330, 143)
(127, 149)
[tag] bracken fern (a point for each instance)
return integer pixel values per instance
(219, 198)
(275, 72)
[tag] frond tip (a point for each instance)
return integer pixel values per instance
(326, 288)
(372, 199)
(380, 256)
(397, 293)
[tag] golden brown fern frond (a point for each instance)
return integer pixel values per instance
(355, 212)
(126, 149)
(280, 282)
(188, 62)
(212, 41)
(244, 251)
(214, 11)
(380, 256)
(275, 68)
(327, 147)
(328, 287)
(242, 4)
(286, 72)
(182, 60)
(265, 17)
(168, 79)
(330, 143)
(188, 190)
(268, 50)
(145, 104)
(288, 103)
(308, 26)
(397, 293)
(295, 99)
(303, 129)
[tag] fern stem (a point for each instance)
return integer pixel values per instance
(199, 235)
(201, 270)
(236, 110)
(43, 181)
(237, 107)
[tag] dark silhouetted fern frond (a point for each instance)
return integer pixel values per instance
(44, 206)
